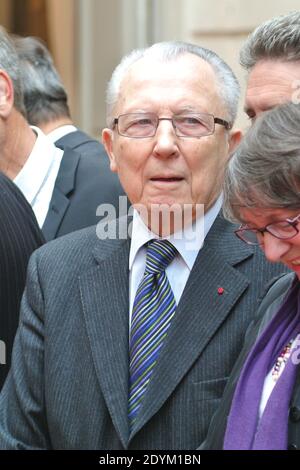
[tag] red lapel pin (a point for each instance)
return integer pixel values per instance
(220, 290)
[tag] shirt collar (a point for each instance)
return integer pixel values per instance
(188, 246)
(60, 132)
(33, 174)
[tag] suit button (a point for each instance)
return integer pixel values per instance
(292, 447)
(294, 414)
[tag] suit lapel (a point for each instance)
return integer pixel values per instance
(105, 300)
(64, 185)
(199, 314)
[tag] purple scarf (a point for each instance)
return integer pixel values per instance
(243, 430)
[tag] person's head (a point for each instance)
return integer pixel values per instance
(16, 137)
(11, 93)
(271, 56)
(262, 185)
(173, 163)
(44, 94)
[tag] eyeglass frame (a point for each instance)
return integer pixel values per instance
(292, 222)
(217, 120)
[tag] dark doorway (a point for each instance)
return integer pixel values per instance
(29, 18)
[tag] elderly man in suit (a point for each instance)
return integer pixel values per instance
(127, 342)
(64, 188)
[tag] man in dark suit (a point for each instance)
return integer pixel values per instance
(74, 202)
(127, 341)
(20, 236)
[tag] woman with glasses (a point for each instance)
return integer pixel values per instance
(260, 408)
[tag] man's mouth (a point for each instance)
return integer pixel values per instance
(163, 179)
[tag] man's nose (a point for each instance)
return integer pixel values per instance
(166, 140)
(274, 248)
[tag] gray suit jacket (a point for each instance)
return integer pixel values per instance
(84, 181)
(267, 310)
(68, 386)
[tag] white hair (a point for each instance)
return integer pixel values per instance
(229, 88)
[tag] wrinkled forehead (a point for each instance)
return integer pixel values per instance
(275, 68)
(154, 65)
(271, 83)
(188, 74)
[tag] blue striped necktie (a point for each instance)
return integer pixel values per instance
(153, 308)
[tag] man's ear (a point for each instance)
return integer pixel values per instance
(107, 140)
(235, 136)
(6, 94)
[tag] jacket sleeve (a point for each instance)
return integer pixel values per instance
(23, 422)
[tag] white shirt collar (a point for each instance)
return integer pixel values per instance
(141, 235)
(60, 132)
(36, 169)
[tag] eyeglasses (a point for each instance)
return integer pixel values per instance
(142, 125)
(284, 230)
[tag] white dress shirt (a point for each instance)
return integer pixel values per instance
(179, 270)
(60, 132)
(37, 178)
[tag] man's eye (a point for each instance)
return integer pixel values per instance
(141, 122)
(251, 115)
(189, 121)
(144, 122)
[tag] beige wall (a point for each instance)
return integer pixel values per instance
(61, 17)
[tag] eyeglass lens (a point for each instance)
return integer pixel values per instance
(145, 125)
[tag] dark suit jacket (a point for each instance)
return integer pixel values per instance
(19, 237)
(268, 308)
(84, 182)
(74, 394)
(82, 143)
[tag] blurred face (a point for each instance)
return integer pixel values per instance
(166, 169)
(283, 251)
(270, 84)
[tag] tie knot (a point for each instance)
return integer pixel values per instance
(160, 253)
